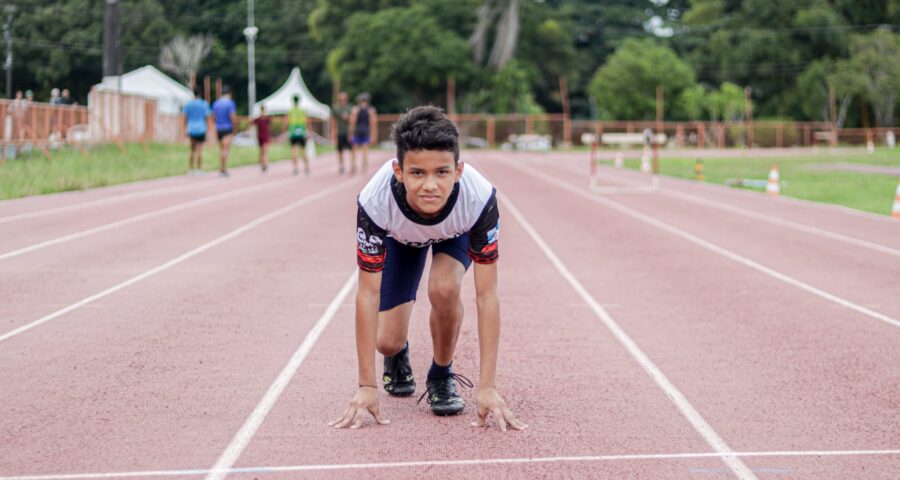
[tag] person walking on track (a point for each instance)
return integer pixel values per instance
(196, 113)
(297, 135)
(262, 137)
(226, 120)
(363, 119)
(342, 110)
(425, 198)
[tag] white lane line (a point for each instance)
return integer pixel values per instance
(708, 245)
(456, 463)
(251, 425)
(103, 201)
(767, 218)
(181, 258)
(681, 402)
(145, 216)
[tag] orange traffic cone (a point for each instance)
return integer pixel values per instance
(895, 212)
(773, 187)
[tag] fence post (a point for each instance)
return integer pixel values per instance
(700, 137)
(779, 130)
(529, 124)
(491, 135)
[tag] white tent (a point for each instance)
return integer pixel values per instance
(149, 82)
(281, 101)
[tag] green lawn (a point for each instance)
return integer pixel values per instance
(863, 191)
(32, 174)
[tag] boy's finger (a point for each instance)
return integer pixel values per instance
(376, 414)
(513, 421)
(339, 419)
(498, 416)
(357, 424)
(347, 418)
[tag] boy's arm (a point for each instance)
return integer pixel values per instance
(489, 400)
(368, 297)
(370, 255)
(366, 397)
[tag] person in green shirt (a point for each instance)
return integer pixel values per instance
(297, 135)
(342, 110)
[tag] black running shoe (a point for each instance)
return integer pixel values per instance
(398, 377)
(442, 396)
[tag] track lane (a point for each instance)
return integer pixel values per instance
(163, 374)
(771, 368)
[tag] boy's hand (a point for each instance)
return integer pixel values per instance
(366, 399)
(489, 401)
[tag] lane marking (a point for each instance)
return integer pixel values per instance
(145, 216)
(455, 463)
(181, 258)
(708, 245)
(681, 402)
(103, 201)
(765, 218)
(251, 425)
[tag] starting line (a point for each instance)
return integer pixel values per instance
(456, 463)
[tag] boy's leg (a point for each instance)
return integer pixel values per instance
(448, 267)
(305, 160)
(294, 154)
(399, 281)
(444, 285)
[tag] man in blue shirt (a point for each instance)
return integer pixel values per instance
(196, 112)
(226, 118)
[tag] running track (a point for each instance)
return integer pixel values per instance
(202, 328)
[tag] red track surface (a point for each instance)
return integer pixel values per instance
(156, 378)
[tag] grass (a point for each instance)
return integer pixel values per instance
(863, 191)
(32, 174)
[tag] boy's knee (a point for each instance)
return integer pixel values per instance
(389, 346)
(443, 294)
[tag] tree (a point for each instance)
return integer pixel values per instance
(400, 66)
(875, 57)
(813, 92)
(503, 17)
(625, 87)
(182, 56)
(727, 104)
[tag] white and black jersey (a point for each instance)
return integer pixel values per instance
(384, 212)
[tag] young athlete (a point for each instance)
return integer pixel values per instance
(262, 137)
(226, 120)
(341, 111)
(196, 112)
(363, 119)
(297, 134)
(425, 198)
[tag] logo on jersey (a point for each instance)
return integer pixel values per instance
(370, 245)
(492, 236)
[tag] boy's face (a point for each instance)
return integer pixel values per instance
(428, 176)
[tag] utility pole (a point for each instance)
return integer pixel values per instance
(7, 37)
(112, 41)
(250, 32)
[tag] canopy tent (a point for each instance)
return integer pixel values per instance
(282, 100)
(149, 82)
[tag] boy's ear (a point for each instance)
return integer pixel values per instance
(459, 169)
(398, 172)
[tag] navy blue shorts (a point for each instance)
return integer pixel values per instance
(403, 267)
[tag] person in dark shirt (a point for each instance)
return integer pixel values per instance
(363, 123)
(341, 111)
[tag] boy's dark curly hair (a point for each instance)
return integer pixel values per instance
(425, 128)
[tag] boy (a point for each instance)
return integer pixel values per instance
(425, 198)
(363, 120)
(341, 111)
(262, 137)
(226, 119)
(297, 134)
(196, 112)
